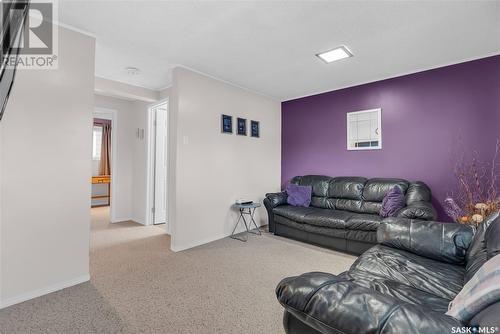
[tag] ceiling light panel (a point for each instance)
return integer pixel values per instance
(336, 54)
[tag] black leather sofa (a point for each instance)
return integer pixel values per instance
(402, 285)
(344, 211)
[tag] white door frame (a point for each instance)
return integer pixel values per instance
(113, 115)
(150, 164)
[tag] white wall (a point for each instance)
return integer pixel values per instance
(139, 163)
(45, 173)
(210, 169)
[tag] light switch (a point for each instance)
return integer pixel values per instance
(185, 140)
(139, 133)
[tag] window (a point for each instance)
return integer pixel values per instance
(96, 142)
(364, 130)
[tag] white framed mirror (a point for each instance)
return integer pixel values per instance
(364, 130)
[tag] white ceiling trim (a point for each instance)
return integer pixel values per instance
(108, 87)
(229, 83)
(70, 27)
(397, 75)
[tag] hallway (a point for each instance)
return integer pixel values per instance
(106, 236)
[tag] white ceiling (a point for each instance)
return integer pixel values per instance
(270, 47)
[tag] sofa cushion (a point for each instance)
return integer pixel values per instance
(323, 202)
(418, 192)
(347, 187)
(371, 207)
(365, 222)
(398, 290)
(393, 201)
(320, 230)
(292, 212)
(330, 304)
(376, 189)
(332, 219)
(488, 317)
(290, 223)
(369, 237)
(476, 254)
(314, 216)
(319, 183)
(327, 218)
(325, 231)
(492, 237)
(447, 242)
(441, 279)
(298, 195)
(351, 205)
(481, 291)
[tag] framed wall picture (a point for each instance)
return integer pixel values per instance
(254, 129)
(242, 126)
(227, 124)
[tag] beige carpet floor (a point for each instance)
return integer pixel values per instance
(139, 286)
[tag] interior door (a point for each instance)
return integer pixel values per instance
(160, 212)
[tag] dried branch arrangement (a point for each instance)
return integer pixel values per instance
(478, 183)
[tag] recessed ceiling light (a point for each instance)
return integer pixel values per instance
(335, 54)
(132, 70)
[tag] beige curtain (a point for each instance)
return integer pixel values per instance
(105, 165)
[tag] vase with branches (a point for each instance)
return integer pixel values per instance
(477, 194)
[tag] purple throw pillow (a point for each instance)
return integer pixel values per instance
(393, 201)
(298, 195)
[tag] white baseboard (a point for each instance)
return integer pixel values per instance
(43, 291)
(196, 243)
(131, 219)
(139, 221)
(120, 220)
(178, 248)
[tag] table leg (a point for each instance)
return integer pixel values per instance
(235, 226)
(247, 225)
(252, 220)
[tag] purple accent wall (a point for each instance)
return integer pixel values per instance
(424, 118)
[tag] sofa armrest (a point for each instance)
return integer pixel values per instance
(418, 210)
(271, 201)
(330, 304)
(447, 242)
(277, 199)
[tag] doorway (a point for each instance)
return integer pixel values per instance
(158, 162)
(103, 160)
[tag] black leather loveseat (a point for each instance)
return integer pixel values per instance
(344, 211)
(402, 285)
